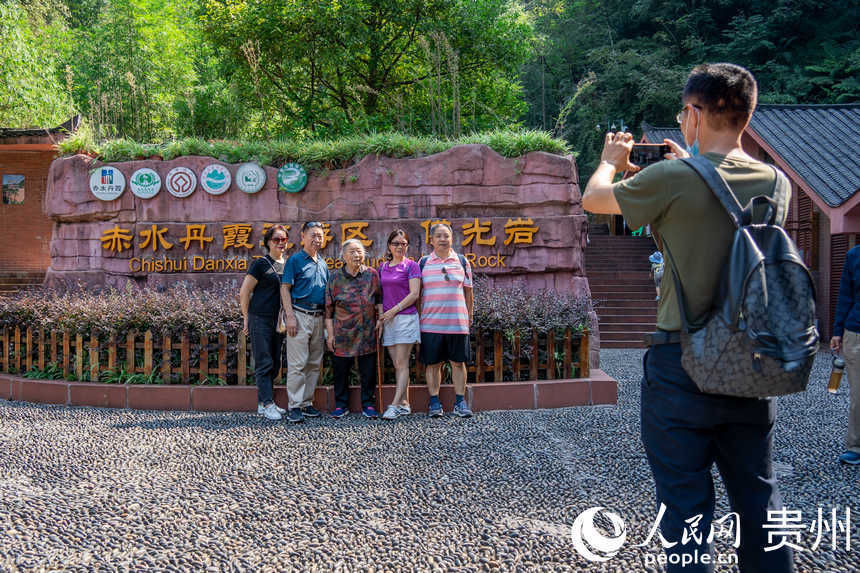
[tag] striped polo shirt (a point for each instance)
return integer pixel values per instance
(443, 305)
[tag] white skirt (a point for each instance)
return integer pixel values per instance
(403, 329)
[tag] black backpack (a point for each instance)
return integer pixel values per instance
(759, 339)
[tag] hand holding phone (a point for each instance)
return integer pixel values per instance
(645, 154)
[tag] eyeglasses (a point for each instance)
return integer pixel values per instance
(679, 118)
(279, 239)
(399, 244)
(445, 272)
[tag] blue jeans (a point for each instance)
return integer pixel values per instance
(685, 432)
(266, 347)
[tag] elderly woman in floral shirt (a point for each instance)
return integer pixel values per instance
(352, 303)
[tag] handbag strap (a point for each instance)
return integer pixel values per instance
(271, 264)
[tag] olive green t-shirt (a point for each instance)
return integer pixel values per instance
(684, 212)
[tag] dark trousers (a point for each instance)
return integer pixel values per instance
(685, 432)
(266, 347)
(341, 366)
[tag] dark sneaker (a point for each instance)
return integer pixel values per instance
(462, 409)
(851, 458)
(369, 412)
(295, 416)
(339, 412)
(310, 412)
(435, 410)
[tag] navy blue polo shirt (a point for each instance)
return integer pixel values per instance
(307, 277)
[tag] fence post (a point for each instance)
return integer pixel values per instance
(241, 369)
(53, 346)
(568, 354)
(204, 358)
(28, 358)
(550, 355)
(4, 352)
(129, 351)
(517, 356)
(66, 352)
(184, 357)
(498, 357)
(147, 352)
(94, 357)
(166, 356)
(17, 356)
(41, 346)
(111, 365)
(535, 361)
(79, 356)
(222, 356)
(479, 355)
(584, 365)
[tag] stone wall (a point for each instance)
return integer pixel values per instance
(458, 185)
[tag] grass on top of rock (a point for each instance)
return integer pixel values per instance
(318, 153)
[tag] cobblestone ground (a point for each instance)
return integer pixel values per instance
(88, 489)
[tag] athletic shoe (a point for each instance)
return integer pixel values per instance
(310, 412)
(391, 412)
(295, 416)
(435, 410)
(370, 412)
(261, 408)
(404, 410)
(462, 409)
(851, 458)
(339, 413)
(271, 412)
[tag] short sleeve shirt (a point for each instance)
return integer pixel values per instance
(443, 302)
(690, 220)
(266, 296)
(307, 277)
(394, 280)
(350, 302)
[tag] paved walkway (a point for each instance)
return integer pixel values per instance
(86, 489)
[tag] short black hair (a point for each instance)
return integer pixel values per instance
(270, 232)
(728, 92)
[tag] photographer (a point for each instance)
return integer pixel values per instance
(685, 431)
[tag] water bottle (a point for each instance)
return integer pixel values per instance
(838, 366)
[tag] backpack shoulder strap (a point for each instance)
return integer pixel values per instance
(718, 187)
(422, 261)
(463, 262)
(781, 191)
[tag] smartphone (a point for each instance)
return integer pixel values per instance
(644, 154)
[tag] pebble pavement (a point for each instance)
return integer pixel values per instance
(88, 489)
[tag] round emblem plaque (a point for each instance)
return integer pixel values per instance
(145, 183)
(215, 179)
(180, 182)
(250, 177)
(107, 183)
(292, 178)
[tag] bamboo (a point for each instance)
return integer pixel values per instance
(568, 354)
(204, 357)
(241, 369)
(166, 357)
(517, 356)
(28, 358)
(147, 352)
(111, 366)
(550, 355)
(79, 356)
(533, 363)
(498, 357)
(479, 356)
(584, 361)
(94, 357)
(184, 356)
(66, 345)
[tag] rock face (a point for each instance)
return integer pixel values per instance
(515, 219)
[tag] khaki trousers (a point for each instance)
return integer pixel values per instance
(851, 352)
(304, 358)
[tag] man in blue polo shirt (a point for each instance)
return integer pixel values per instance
(303, 298)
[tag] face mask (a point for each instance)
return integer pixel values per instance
(693, 150)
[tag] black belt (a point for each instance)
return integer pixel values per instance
(310, 311)
(663, 337)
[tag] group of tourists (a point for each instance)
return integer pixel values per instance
(351, 310)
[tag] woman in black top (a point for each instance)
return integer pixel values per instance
(261, 301)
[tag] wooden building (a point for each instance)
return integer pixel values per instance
(818, 148)
(25, 231)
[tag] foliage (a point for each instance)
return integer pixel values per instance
(328, 153)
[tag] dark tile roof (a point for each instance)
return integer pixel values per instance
(658, 134)
(68, 127)
(820, 142)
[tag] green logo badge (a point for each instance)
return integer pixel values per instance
(292, 178)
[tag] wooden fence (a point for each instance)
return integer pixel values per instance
(191, 358)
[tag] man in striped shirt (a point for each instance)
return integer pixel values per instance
(446, 314)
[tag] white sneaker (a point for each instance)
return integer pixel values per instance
(271, 412)
(391, 412)
(404, 410)
(262, 409)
